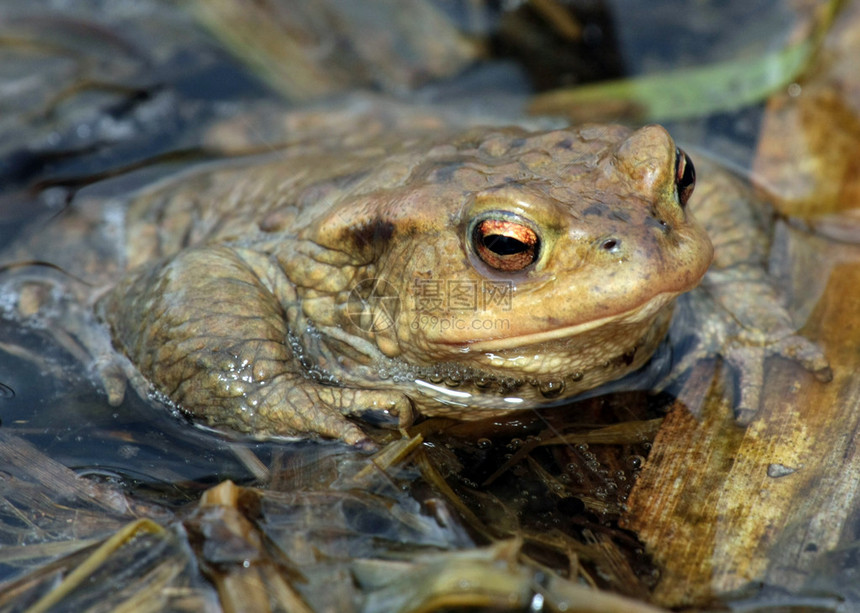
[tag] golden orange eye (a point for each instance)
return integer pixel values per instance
(505, 245)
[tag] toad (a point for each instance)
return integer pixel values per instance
(463, 272)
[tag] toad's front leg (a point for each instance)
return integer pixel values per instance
(739, 311)
(208, 329)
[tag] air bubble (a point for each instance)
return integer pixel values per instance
(551, 389)
(483, 382)
(635, 462)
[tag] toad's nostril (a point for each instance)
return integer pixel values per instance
(610, 244)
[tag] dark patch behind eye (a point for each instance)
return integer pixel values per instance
(375, 232)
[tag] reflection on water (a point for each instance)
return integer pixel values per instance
(55, 405)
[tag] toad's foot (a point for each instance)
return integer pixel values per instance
(301, 407)
(739, 315)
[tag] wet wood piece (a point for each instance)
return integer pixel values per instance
(233, 554)
(722, 509)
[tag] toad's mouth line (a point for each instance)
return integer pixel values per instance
(645, 310)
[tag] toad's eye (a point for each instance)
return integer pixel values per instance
(685, 176)
(505, 245)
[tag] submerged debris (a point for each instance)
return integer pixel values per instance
(407, 529)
